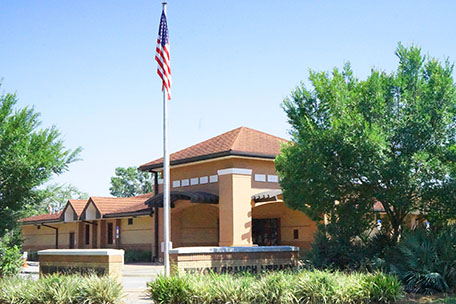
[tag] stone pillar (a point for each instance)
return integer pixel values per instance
(235, 208)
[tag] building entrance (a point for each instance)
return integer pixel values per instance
(265, 232)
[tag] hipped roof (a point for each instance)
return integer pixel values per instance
(242, 141)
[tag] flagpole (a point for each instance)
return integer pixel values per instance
(166, 179)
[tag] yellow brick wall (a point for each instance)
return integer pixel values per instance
(211, 167)
(139, 235)
(44, 238)
(37, 239)
(289, 221)
(195, 225)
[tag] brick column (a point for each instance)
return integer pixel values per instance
(235, 209)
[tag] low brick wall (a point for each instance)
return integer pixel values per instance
(233, 259)
(83, 261)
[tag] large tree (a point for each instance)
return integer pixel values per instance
(55, 197)
(29, 157)
(388, 139)
(130, 182)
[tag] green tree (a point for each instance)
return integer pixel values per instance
(130, 182)
(29, 157)
(55, 196)
(389, 138)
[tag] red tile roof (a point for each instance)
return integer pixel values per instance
(240, 141)
(78, 205)
(113, 204)
(137, 207)
(42, 217)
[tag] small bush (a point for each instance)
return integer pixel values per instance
(138, 256)
(425, 261)
(303, 287)
(60, 289)
(95, 290)
(172, 290)
(10, 260)
(383, 288)
(336, 252)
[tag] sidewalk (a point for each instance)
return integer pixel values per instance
(135, 278)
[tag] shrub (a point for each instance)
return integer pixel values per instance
(277, 288)
(171, 290)
(138, 256)
(303, 287)
(60, 289)
(383, 288)
(10, 260)
(103, 290)
(225, 288)
(335, 252)
(425, 261)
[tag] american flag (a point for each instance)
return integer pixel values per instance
(162, 55)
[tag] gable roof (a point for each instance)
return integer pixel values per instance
(77, 205)
(242, 141)
(107, 205)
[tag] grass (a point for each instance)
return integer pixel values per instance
(303, 287)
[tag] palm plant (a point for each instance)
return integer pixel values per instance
(425, 261)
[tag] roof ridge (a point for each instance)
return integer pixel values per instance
(241, 128)
(258, 131)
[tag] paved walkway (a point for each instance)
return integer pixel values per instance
(134, 279)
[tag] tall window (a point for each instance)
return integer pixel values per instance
(110, 233)
(87, 234)
(71, 240)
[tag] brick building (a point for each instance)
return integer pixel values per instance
(224, 192)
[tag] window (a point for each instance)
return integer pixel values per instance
(110, 233)
(130, 221)
(296, 234)
(71, 240)
(87, 234)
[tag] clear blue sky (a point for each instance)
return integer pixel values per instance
(88, 66)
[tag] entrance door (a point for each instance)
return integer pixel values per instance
(265, 232)
(71, 240)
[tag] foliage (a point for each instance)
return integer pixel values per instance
(172, 290)
(10, 259)
(135, 256)
(29, 157)
(59, 289)
(425, 261)
(390, 138)
(336, 252)
(55, 196)
(131, 182)
(277, 287)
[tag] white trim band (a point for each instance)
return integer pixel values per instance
(81, 252)
(234, 171)
(206, 250)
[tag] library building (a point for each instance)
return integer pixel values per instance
(224, 192)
